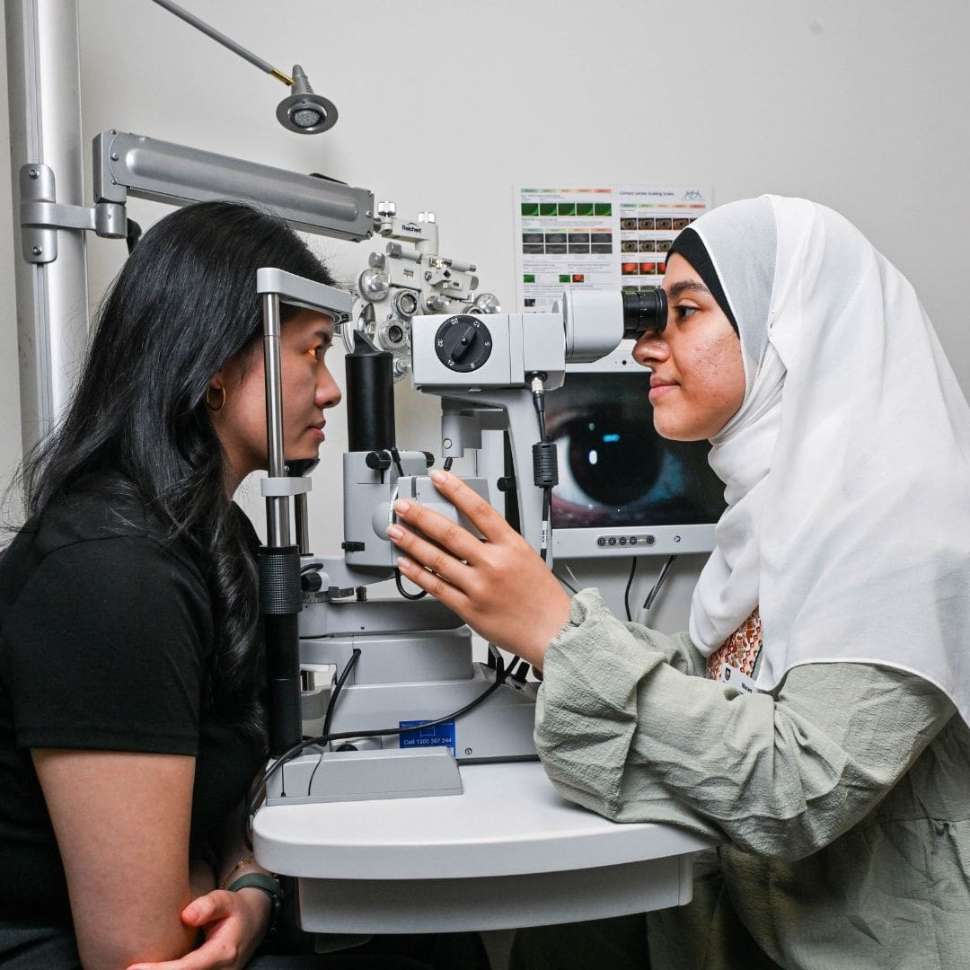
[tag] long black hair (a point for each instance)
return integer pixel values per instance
(182, 306)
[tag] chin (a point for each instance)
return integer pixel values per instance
(673, 430)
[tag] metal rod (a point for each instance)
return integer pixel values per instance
(221, 38)
(43, 88)
(277, 506)
(302, 524)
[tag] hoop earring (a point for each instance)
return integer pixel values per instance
(212, 404)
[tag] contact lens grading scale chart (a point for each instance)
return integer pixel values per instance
(605, 237)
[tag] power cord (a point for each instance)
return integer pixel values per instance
(629, 583)
(399, 583)
(562, 579)
(545, 463)
(332, 706)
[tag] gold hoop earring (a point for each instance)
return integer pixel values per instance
(212, 404)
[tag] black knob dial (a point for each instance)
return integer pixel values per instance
(463, 343)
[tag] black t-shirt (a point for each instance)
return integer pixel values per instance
(105, 632)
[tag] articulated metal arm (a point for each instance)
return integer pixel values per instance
(127, 164)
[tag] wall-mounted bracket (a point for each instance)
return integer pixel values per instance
(41, 215)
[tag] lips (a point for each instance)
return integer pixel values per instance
(660, 387)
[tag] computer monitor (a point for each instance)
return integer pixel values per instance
(624, 490)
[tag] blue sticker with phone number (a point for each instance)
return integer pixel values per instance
(438, 736)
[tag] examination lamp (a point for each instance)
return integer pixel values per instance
(644, 311)
(302, 111)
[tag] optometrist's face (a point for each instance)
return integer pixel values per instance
(308, 390)
(697, 384)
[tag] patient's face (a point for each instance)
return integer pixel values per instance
(696, 361)
(308, 390)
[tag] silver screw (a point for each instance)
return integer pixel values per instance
(115, 156)
(36, 250)
(468, 750)
(33, 173)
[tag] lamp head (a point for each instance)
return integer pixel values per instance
(303, 111)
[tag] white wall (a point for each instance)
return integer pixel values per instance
(861, 105)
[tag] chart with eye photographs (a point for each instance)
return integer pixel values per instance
(606, 237)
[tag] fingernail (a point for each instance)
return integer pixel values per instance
(439, 476)
(404, 563)
(395, 531)
(402, 506)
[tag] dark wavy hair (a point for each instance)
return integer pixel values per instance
(182, 306)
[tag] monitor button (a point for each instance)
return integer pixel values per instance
(601, 541)
(612, 540)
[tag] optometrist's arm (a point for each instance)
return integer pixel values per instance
(625, 733)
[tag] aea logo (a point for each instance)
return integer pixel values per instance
(693, 195)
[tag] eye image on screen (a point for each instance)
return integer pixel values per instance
(614, 469)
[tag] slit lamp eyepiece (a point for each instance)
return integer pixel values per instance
(644, 312)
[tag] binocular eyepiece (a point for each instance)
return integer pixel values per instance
(643, 312)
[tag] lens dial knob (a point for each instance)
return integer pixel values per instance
(463, 343)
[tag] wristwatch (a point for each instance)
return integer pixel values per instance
(269, 885)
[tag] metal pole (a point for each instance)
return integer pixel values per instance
(277, 506)
(43, 85)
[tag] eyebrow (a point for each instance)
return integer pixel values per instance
(688, 286)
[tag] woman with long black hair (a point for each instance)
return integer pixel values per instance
(131, 664)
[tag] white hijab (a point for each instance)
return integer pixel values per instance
(847, 467)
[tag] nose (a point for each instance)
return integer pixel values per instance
(327, 394)
(650, 349)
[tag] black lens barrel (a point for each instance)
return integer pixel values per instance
(370, 398)
(643, 311)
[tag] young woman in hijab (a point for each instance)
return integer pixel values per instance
(131, 663)
(840, 585)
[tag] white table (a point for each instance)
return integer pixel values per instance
(509, 852)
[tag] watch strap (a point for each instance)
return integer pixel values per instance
(268, 884)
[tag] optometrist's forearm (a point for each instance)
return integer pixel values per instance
(626, 734)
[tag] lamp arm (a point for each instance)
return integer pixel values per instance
(221, 38)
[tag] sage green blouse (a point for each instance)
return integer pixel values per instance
(842, 800)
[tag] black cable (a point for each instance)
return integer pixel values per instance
(331, 707)
(258, 791)
(337, 688)
(501, 676)
(399, 583)
(572, 589)
(396, 458)
(546, 525)
(539, 403)
(629, 583)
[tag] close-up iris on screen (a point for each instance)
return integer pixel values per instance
(614, 469)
